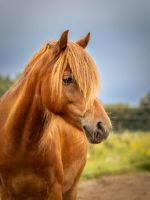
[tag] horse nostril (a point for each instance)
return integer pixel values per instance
(100, 125)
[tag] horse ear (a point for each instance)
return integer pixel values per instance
(62, 42)
(84, 41)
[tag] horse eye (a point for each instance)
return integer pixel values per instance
(68, 79)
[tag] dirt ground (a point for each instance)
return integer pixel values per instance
(121, 187)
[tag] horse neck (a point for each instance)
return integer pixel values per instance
(26, 118)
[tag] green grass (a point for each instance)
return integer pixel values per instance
(121, 153)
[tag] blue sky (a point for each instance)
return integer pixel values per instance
(120, 39)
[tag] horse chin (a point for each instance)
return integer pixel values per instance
(93, 137)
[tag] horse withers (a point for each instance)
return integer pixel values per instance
(46, 119)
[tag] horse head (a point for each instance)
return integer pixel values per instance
(70, 85)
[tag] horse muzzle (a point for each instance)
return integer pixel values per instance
(98, 134)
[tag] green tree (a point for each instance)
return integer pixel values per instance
(5, 83)
(145, 101)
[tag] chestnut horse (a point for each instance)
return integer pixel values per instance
(46, 119)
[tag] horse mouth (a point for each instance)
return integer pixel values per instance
(94, 137)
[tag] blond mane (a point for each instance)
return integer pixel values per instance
(81, 64)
